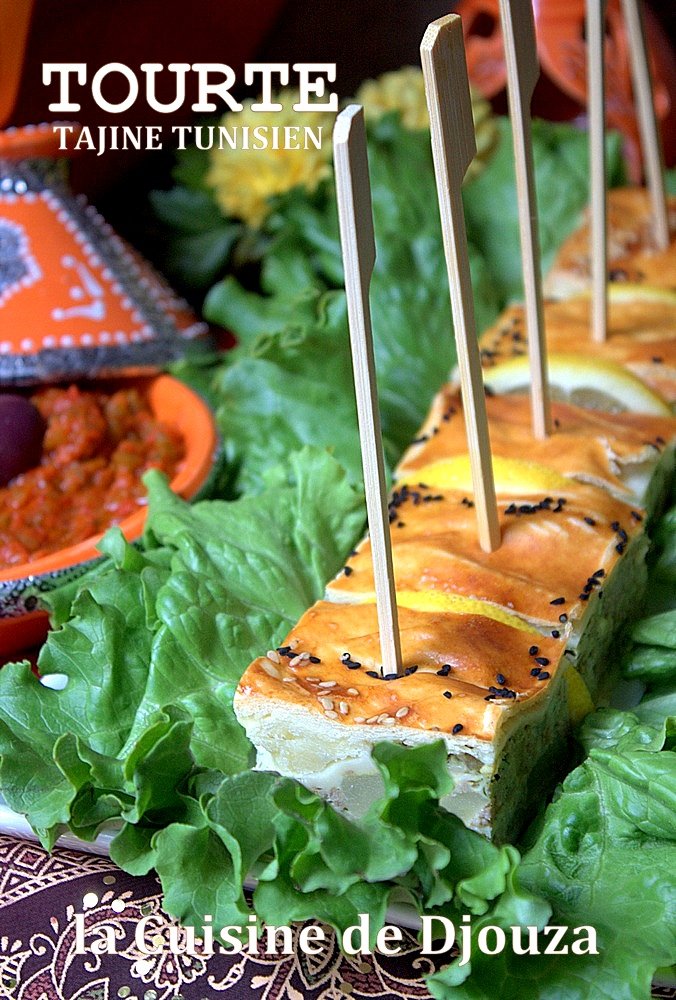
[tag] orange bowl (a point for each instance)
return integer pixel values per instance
(174, 404)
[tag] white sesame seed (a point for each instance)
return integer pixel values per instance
(300, 658)
(330, 714)
(352, 691)
(289, 680)
(326, 703)
(359, 718)
(343, 708)
(374, 718)
(312, 680)
(389, 721)
(273, 655)
(382, 717)
(270, 668)
(327, 684)
(401, 712)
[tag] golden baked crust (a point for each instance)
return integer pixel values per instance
(631, 256)
(484, 657)
(589, 445)
(641, 336)
(435, 548)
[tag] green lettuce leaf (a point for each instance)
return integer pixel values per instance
(147, 658)
(102, 654)
(605, 857)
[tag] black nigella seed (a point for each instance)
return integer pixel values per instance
(400, 524)
(599, 573)
(372, 673)
(457, 728)
(411, 670)
(447, 694)
(619, 547)
(500, 678)
(284, 650)
(445, 670)
(315, 659)
(636, 516)
(555, 633)
(558, 600)
(615, 525)
(502, 692)
(348, 571)
(563, 619)
(535, 672)
(622, 535)
(533, 651)
(590, 521)
(583, 597)
(345, 656)
(543, 675)
(542, 660)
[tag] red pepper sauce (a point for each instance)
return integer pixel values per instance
(97, 447)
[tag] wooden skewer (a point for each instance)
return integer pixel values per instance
(453, 146)
(597, 166)
(355, 216)
(651, 145)
(518, 32)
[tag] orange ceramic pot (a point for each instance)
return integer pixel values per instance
(21, 623)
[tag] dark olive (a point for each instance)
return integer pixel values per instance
(22, 430)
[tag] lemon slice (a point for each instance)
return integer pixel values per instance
(512, 475)
(627, 292)
(594, 383)
(580, 701)
(431, 601)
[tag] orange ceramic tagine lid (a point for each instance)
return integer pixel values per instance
(75, 300)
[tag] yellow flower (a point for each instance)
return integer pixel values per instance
(243, 180)
(404, 91)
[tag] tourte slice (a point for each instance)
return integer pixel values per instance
(631, 254)
(501, 652)
(641, 334)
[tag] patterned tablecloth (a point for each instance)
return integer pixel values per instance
(44, 898)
